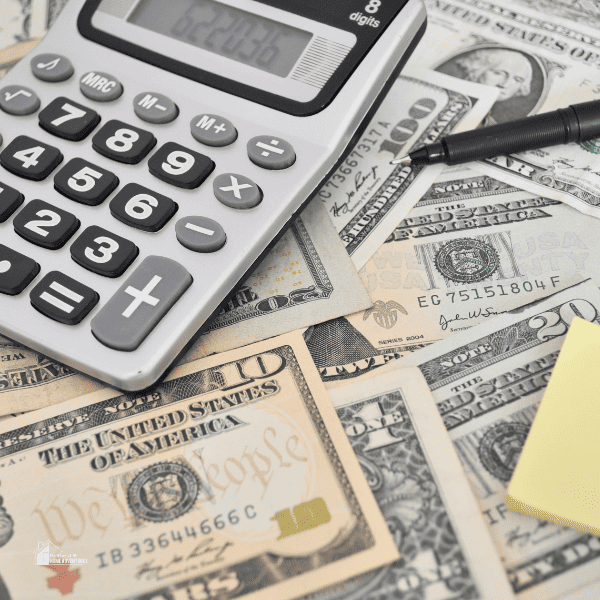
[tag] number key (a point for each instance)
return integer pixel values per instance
(85, 182)
(10, 200)
(180, 166)
(67, 119)
(124, 143)
(142, 208)
(103, 252)
(45, 225)
(30, 159)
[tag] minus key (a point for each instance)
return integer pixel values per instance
(200, 234)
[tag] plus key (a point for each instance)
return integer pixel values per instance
(140, 303)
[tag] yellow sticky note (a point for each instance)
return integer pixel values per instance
(557, 477)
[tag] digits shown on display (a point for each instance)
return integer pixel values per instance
(227, 31)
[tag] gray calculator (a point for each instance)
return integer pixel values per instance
(152, 150)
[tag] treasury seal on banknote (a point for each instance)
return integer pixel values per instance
(501, 447)
(163, 492)
(467, 260)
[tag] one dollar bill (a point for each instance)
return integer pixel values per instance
(539, 62)
(231, 479)
(407, 456)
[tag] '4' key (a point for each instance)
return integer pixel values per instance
(30, 159)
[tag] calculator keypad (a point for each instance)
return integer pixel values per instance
(125, 321)
(180, 166)
(10, 200)
(17, 271)
(122, 142)
(18, 100)
(63, 299)
(103, 252)
(67, 119)
(85, 182)
(29, 158)
(142, 208)
(45, 225)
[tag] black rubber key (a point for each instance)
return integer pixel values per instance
(30, 159)
(103, 252)
(142, 208)
(67, 119)
(17, 271)
(85, 182)
(45, 225)
(180, 166)
(123, 143)
(63, 299)
(10, 200)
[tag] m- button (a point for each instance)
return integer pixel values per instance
(140, 303)
(99, 86)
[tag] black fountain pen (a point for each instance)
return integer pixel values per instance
(577, 123)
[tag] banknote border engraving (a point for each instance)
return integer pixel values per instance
(464, 191)
(446, 266)
(46, 370)
(400, 179)
(321, 289)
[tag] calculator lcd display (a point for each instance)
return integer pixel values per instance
(237, 34)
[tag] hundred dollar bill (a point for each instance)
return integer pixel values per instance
(472, 248)
(307, 277)
(408, 459)
(487, 383)
(367, 196)
(539, 62)
(231, 479)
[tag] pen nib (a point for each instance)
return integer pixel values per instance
(405, 160)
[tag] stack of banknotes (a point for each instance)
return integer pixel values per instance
(349, 424)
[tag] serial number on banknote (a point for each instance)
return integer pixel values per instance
(346, 171)
(490, 291)
(205, 528)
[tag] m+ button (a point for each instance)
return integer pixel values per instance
(140, 303)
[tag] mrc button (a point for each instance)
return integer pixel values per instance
(99, 86)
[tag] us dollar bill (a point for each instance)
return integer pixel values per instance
(539, 62)
(367, 196)
(407, 457)
(487, 383)
(472, 248)
(307, 277)
(585, 12)
(231, 479)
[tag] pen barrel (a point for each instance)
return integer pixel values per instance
(576, 123)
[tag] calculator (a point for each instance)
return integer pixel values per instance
(152, 150)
